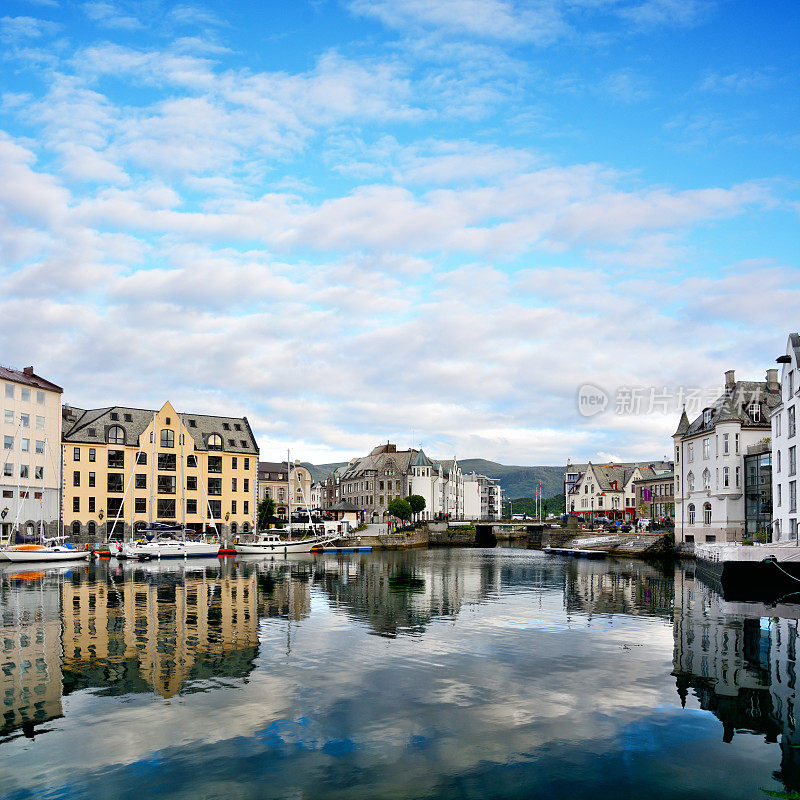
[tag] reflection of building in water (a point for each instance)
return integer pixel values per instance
(30, 668)
(740, 661)
(284, 589)
(158, 629)
(618, 588)
(402, 593)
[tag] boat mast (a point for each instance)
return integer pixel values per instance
(41, 504)
(183, 477)
(152, 473)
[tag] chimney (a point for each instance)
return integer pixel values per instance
(772, 381)
(730, 381)
(28, 370)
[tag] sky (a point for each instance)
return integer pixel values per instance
(516, 230)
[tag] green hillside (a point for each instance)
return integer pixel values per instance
(517, 481)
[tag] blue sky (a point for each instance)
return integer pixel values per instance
(429, 221)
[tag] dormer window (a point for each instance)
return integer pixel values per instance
(707, 416)
(214, 442)
(192, 423)
(127, 417)
(115, 435)
(755, 412)
(114, 416)
(226, 426)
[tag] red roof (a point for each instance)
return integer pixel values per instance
(28, 377)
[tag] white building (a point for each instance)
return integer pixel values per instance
(485, 499)
(784, 445)
(316, 494)
(30, 480)
(709, 460)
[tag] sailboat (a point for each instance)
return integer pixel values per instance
(272, 542)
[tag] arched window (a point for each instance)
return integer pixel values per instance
(115, 435)
(706, 479)
(167, 438)
(76, 528)
(690, 481)
(92, 529)
(215, 442)
(246, 527)
(691, 513)
(707, 513)
(234, 527)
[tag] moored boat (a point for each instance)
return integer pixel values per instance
(272, 543)
(49, 551)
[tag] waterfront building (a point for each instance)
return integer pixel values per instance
(758, 492)
(370, 483)
(654, 494)
(285, 486)
(490, 497)
(608, 490)
(30, 480)
(316, 494)
(709, 460)
(126, 467)
(574, 500)
(784, 444)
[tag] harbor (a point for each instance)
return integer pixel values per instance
(501, 672)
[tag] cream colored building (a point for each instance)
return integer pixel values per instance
(275, 481)
(126, 467)
(30, 478)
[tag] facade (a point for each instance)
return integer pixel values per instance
(608, 490)
(370, 483)
(490, 497)
(784, 445)
(316, 494)
(275, 481)
(30, 480)
(654, 495)
(126, 467)
(709, 460)
(758, 493)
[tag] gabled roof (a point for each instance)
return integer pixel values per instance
(733, 406)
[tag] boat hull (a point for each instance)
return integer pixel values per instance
(177, 550)
(25, 556)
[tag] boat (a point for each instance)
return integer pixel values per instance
(169, 541)
(50, 550)
(271, 543)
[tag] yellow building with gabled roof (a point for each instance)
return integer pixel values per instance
(124, 468)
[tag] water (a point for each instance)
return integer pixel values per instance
(498, 673)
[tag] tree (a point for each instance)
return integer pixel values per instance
(400, 508)
(417, 503)
(266, 511)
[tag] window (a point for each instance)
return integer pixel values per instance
(246, 509)
(114, 415)
(92, 528)
(778, 424)
(792, 496)
(25, 419)
(706, 447)
(76, 478)
(140, 505)
(755, 412)
(25, 395)
(234, 462)
(707, 514)
(215, 464)
(707, 416)
(725, 443)
(10, 391)
(778, 461)
(246, 485)
(127, 417)
(726, 476)
(233, 484)
(215, 486)
(234, 527)
(116, 459)
(93, 432)
(793, 460)
(791, 382)
(191, 483)
(738, 477)
(191, 506)
(231, 443)
(8, 442)
(247, 463)
(214, 442)
(237, 426)
(216, 508)
(115, 435)
(91, 479)
(167, 438)
(40, 398)
(191, 461)
(40, 446)
(167, 462)
(141, 480)
(791, 423)
(39, 423)
(8, 470)
(166, 484)
(76, 454)
(115, 481)
(706, 479)
(91, 505)
(245, 443)
(226, 426)
(141, 459)
(778, 496)
(76, 528)
(76, 505)
(38, 473)
(233, 506)
(92, 454)
(166, 509)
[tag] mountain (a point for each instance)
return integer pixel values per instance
(517, 481)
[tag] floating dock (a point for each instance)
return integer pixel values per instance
(577, 553)
(341, 550)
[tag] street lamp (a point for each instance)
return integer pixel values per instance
(591, 520)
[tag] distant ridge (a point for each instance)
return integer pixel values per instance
(517, 481)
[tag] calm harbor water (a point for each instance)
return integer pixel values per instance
(498, 673)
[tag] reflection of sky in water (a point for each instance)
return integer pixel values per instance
(490, 674)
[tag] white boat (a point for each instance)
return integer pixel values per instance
(19, 553)
(167, 546)
(270, 543)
